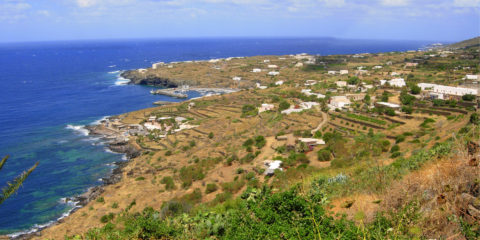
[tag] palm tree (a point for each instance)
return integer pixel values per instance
(13, 186)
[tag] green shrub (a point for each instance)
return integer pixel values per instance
(399, 138)
(395, 155)
(395, 148)
(211, 187)
(107, 218)
(283, 105)
(115, 205)
(249, 110)
(210, 135)
(260, 142)
(324, 155)
(100, 200)
(168, 153)
(169, 183)
(141, 178)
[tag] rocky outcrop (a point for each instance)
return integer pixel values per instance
(124, 147)
(151, 80)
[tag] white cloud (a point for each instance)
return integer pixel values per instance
(334, 3)
(86, 3)
(43, 13)
(466, 3)
(13, 10)
(394, 3)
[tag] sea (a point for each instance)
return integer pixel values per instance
(50, 90)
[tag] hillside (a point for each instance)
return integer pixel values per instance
(365, 170)
(474, 42)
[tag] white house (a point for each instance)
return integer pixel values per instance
(237, 78)
(266, 107)
(272, 66)
(279, 83)
(299, 64)
(302, 106)
(156, 65)
(312, 141)
(447, 90)
(310, 82)
(339, 102)
(343, 72)
(360, 68)
(388, 105)
(257, 70)
(273, 73)
(266, 61)
(471, 77)
(397, 82)
(332, 72)
(341, 83)
(260, 86)
(377, 67)
(411, 64)
(308, 92)
(271, 166)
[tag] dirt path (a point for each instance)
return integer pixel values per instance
(324, 121)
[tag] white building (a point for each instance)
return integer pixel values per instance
(237, 78)
(397, 82)
(260, 86)
(301, 107)
(310, 82)
(266, 107)
(156, 65)
(377, 67)
(471, 77)
(332, 72)
(447, 90)
(299, 64)
(343, 72)
(309, 92)
(257, 70)
(273, 73)
(272, 66)
(312, 141)
(388, 105)
(266, 61)
(271, 166)
(341, 83)
(279, 83)
(339, 102)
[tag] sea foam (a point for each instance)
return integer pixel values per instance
(79, 129)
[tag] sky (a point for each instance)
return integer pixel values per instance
(47, 20)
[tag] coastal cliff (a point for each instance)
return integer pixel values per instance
(150, 80)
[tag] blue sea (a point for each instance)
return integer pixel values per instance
(49, 90)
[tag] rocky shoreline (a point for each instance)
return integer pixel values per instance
(149, 80)
(114, 145)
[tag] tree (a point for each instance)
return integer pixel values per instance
(468, 97)
(474, 118)
(415, 89)
(367, 99)
(353, 80)
(406, 98)
(283, 105)
(13, 186)
(324, 155)
(384, 97)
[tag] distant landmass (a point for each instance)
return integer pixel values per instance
(474, 42)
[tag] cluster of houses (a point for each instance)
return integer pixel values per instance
(164, 125)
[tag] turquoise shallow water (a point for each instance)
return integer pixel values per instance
(48, 90)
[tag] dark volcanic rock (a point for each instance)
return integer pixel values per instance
(124, 147)
(150, 80)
